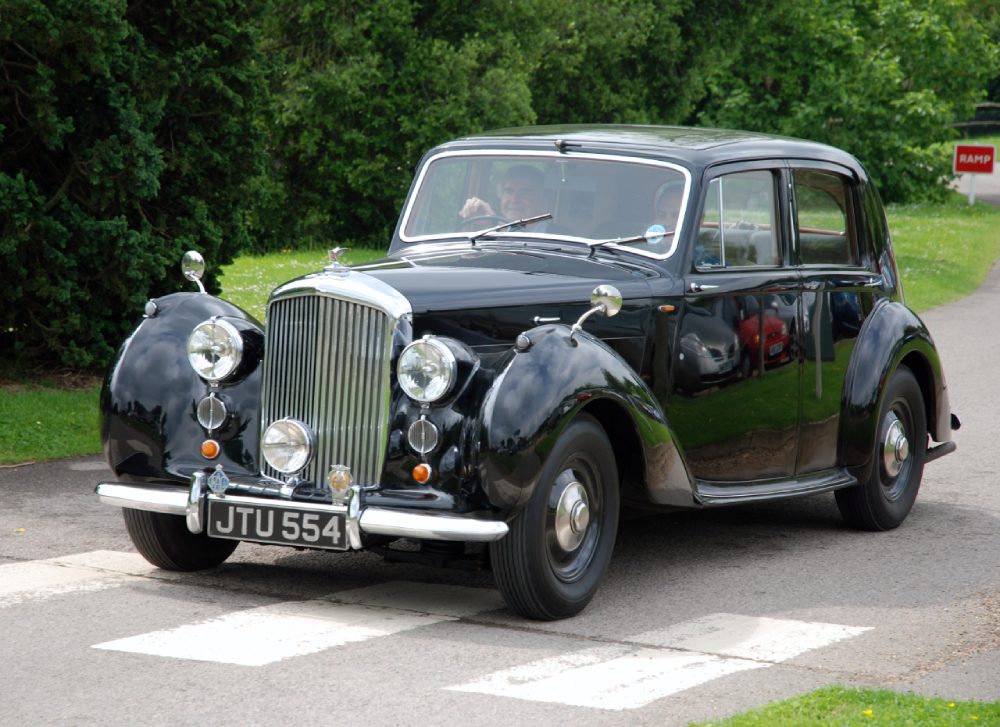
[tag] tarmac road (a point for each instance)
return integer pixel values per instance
(702, 615)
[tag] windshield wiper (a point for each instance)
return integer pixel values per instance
(507, 225)
(644, 237)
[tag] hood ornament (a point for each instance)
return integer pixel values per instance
(335, 265)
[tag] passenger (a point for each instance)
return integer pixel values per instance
(667, 205)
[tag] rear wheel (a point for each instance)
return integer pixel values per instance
(883, 498)
(551, 563)
(165, 541)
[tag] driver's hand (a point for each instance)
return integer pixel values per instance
(475, 207)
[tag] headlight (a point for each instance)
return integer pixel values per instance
(214, 349)
(426, 370)
(287, 445)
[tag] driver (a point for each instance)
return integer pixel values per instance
(522, 194)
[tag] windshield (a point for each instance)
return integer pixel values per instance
(592, 199)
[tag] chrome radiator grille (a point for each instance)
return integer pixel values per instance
(326, 363)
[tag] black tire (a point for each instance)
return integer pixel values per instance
(545, 573)
(165, 541)
(886, 491)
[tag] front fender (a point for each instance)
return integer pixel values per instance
(892, 335)
(149, 425)
(539, 390)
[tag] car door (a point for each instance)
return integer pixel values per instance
(735, 389)
(840, 286)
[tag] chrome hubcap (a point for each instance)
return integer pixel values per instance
(896, 449)
(572, 516)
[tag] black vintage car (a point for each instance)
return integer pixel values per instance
(569, 320)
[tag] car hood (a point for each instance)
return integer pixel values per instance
(489, 278)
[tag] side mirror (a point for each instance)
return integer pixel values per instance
(606, 299)
(193, 267)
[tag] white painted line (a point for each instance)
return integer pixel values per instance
(691, 653)
(438, 599)
(749, 637)
(270, 633)
(611, 677)
(84, 572)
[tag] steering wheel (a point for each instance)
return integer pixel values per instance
(468, 224)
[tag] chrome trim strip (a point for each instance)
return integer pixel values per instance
(353, 286)
(408, 524)
(371, 520)
(710, 494)
(155, 498)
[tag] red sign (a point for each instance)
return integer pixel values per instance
(971, 159)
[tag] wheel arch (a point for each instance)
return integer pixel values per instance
(543, 388)
(892, 336)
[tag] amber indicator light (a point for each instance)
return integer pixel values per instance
(422, 473)
(209, 449)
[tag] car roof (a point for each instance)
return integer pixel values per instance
(697, 146)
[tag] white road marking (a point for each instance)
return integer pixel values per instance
(267, 634)
(690, 653)
(613, 677)
(749, 637)
(42, 579)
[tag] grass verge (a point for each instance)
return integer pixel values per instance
(48, 419)
(841, 706)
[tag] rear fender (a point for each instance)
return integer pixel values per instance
(892, 336)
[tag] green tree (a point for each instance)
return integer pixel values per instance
(364, 90)
(882, 79)
(126, 137)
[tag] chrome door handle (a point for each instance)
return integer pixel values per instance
(698, 287)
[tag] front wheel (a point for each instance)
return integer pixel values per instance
(552, 561)
(165, 541)
(883, 498)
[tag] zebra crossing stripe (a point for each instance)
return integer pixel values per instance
(615, 677)
(662, 662)
(749, 637)
(263, 635)
(42, 579)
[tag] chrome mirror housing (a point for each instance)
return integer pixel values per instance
(193, 267)
(606, 299)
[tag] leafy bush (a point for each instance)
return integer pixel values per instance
(365, 89)
(881, 79)
(126, 138)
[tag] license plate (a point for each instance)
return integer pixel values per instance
(240, 520)
(775, 349)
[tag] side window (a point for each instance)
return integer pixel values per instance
(825, 218)
(738, 226)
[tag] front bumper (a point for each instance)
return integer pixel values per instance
(359, 519)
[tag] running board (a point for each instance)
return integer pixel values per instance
(711, 494)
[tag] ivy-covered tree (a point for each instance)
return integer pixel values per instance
(126, 137)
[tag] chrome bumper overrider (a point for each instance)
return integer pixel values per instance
(360, 519)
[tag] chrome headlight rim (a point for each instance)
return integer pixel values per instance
(443, 378)
(288, 433)
(232, 354)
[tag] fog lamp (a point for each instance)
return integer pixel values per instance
(287, 445)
